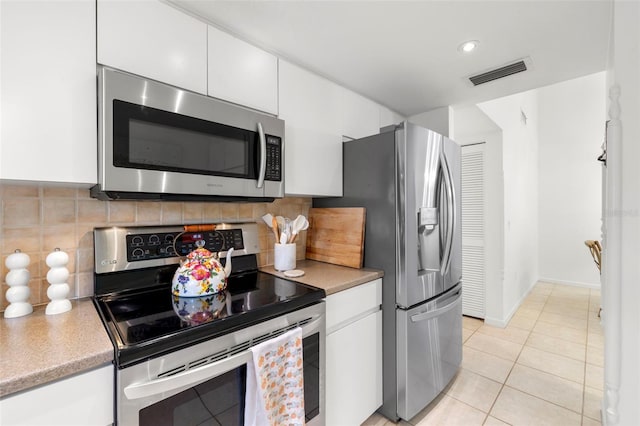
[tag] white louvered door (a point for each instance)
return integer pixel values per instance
(473, 229)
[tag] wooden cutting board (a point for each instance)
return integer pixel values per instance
(336, 235)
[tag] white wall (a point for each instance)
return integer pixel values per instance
(471, 125)
(520, 165)
(571, 127)
(552, 187)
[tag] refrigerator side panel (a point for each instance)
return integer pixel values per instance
(429, 350)
(369, 181)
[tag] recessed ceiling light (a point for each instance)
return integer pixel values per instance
(468, 46)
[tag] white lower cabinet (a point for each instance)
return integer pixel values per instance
(354, 354)
(84, 399)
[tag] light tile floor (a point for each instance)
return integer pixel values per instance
(545, 367)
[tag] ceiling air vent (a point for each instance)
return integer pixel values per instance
(501, 72)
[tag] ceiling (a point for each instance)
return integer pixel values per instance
(404, 54)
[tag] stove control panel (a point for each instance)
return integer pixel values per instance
(120, 248)
(219, 240)
(165, 244)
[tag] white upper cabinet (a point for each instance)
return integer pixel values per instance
(154, 40)
(360, 116)
(318, 115)
(389, 117)
(310, 107)
(241, 73)
(48, 91)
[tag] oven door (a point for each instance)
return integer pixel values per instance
(205, 383)
(158, 139)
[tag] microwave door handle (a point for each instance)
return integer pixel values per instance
(263, 156)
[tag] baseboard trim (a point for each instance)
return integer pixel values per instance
(570, 283)
(503, 322)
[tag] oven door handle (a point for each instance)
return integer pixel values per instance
(197, 375)
(186, 378)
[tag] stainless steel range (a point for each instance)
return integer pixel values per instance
(182, 361)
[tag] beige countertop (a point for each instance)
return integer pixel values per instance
(36, 349)
(331, 278)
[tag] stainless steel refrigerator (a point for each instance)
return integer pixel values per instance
(408, 178)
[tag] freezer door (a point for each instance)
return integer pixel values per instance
(429, 350)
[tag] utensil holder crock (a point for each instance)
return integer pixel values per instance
(284, 257)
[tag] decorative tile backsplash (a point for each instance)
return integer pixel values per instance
(39, 218)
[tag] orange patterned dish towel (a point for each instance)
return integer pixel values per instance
(275, 385)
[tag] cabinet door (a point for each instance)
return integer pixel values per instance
(48, 91)
(345, 306)
(154, 40)
(242, 73)
(354, 371)
(310, 106)
(389, 117)
(83, 400)
(360, 116)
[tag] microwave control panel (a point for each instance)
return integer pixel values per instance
(162, 245)
(273, 171)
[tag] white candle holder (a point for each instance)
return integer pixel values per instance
(18, 279)
(58, 288)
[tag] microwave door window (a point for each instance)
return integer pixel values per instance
(150, 144)
(153, 139)
(166, 147)
(228, 156)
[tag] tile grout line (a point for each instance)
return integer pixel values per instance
(538, 320)
(504, 383)
(586, 349)
(581, 413)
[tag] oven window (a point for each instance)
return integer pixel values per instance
(149, 138)
(220, 401)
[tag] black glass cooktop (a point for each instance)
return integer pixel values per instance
(150, 322)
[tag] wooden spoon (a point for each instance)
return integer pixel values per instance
(274, 227)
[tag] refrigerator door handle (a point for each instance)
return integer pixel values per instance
(432, 314)
(451, 214)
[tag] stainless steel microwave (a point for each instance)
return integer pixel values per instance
(160, 142)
